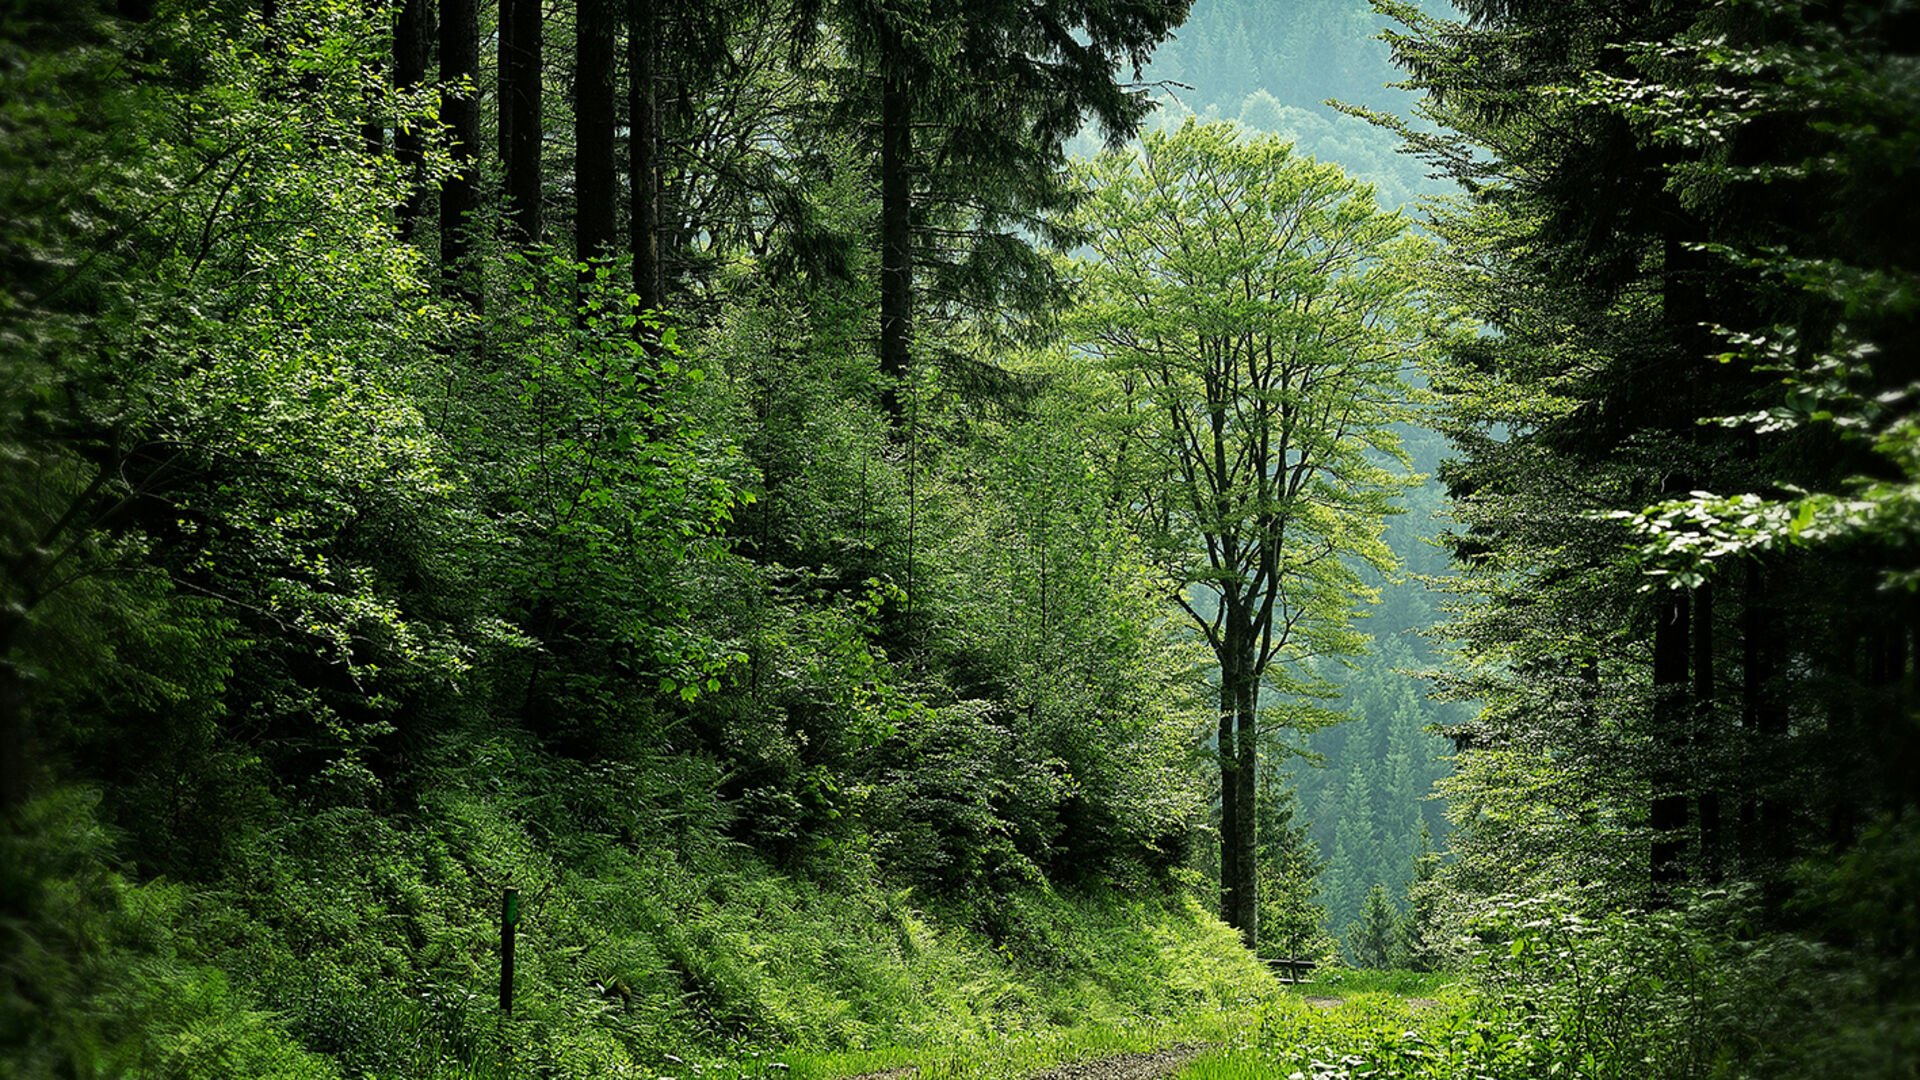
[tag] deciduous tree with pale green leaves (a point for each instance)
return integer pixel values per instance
(1253, 313)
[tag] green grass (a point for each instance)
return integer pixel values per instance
(1381, 1018)
(1022, 1054)
(1348, 982)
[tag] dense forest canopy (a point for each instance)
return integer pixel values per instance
(595, 539)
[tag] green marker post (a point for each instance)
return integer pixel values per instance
(509, 917)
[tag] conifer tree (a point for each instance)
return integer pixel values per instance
(596, 30)
(522, 51)
(460, 112)
(1625, 237)
(1371, 940)
(1415, 944)
(973, 103)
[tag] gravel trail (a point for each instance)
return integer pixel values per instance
(1145, 1065)
(1140, 1065)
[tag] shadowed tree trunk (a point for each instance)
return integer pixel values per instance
(521, 120)
(1231, 874)
(460, 111)
(896, 234)
(1668, 813)
(411, 33)
(1765, 816)
(1239, 751)
(1711, 846)
(643, 154)
(1677, 721)
(593, 124)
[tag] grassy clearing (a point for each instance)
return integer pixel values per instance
(1380, 1016)
(1347, 983)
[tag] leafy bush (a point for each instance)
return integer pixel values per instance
(100, 976)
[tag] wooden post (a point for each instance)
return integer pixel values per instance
(509, 917)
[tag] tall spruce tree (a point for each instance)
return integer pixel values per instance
(973, 103)
(595, 183)
(1371, 941)
(522, 81)
(460, 112)
(1637, 174)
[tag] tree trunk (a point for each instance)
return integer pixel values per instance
(643, 153)
(1246, 892)
(1711, 866)
(1229, 800)
(410, 35)
(14, 737)
(1668, 813)
(1239, 761)
(1674, 722)
(593, 125)
(1766, 816)
(503, 61)
(460, 111)
(521, 121)
(896, 236)
(373, 128)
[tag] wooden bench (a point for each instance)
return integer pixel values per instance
(1292, 970)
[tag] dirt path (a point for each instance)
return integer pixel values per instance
(1140, 1065)
(1145, 1065)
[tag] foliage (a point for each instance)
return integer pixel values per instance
(1703, 324)
(353, 597)
(1371, 940)
(1292, 921)
(623, 960)
(1250, 313)
(1834, 349)
(102, 976)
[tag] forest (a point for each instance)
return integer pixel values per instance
(1053, 539)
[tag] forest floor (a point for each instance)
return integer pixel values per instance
(1276, 1034)
(1134, 1065)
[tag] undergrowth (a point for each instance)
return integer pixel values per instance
(359, 944)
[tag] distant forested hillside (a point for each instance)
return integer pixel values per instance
(1273, 67)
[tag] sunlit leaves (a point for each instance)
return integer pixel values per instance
(1251, 312)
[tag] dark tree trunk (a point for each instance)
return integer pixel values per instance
(1711, 854)
(1674, 773)
(643, 154)
(1239, 761)
(521, 119)
(593, 125)
(1752, 755)
(14, 737)
(373, 127)
(1668, 813)
(503, 61)
(1229, 803)
(460, 112)
(896, 238)
(411, 33)
(1889, 715)
(1246, 893)
(1766, 814)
